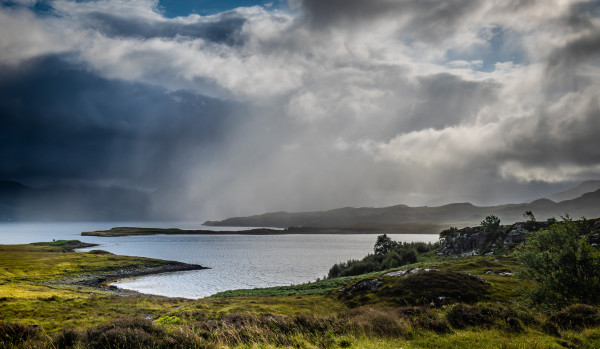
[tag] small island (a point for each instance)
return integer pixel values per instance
(133, 231)
(405, 228)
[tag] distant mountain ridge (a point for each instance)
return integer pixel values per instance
(587, 205)
(573, 193)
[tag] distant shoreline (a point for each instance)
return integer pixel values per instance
(135, 231)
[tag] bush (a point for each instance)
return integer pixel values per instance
(15, 334)
(399, 257)
(576, 317)
(432, 322)
(67, 338)
(514, 325)
(376, 322)
(125, 333)
(437, 286)
(99, 252)
(396, 255)
(384, 244)
(564, 263)
(463, 316)
(448, 232)
(491, 223)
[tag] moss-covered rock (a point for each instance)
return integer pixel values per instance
(418, 287)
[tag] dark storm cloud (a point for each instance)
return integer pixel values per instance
(428, 20)
(585, 47)
(61, 122)
(224, 29)
(581, 14)
(557, 138)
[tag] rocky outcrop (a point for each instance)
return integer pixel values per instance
(478, 240)
(472, 241)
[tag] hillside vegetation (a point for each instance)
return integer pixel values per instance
(485, 300)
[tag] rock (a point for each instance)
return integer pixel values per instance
(367, 285)
(402, 273)
(472, 241)
(470, 253)
(397, 273)
(516, 235)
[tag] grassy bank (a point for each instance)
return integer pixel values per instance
(38, 311)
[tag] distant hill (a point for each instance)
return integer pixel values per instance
(573, 193)
(587, 205)
(71, 203)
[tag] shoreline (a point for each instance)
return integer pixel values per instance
(102, 281)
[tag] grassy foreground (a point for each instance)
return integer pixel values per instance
(37, 311)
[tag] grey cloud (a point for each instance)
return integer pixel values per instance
(555, 139)
(447, 100)
(581, 14)
(224, 29)
(583, 48)
(428, 20)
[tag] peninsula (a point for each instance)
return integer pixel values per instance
(407, 228)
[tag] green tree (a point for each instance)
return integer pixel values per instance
(491, 223)
(564, 263)
(528, 215)
(384, 245)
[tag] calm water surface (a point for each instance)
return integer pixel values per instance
(236, 261)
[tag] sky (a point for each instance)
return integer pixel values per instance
(226, 108)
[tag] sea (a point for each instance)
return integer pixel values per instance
(235, 261)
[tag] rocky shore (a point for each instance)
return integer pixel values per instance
(102, 281)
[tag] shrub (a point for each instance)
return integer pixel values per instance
(396, 255)
(576, 316)
(432, 322)
(491, 223)
(437, 286)
(550, 328)
(399, 257)
(564, 263)
(168, 320)
(448, 232)
(376, 322)
(384, 244)
(125, 333)
(528, 215)
(67, 338)
(514, 325)
(183, 338)
(99, 252)
(15, 333)
(463, 316)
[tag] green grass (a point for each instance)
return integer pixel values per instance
(311, 315)
(311, 288)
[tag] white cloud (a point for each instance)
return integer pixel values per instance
(373, 93)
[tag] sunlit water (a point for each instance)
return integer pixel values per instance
(236, 261)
